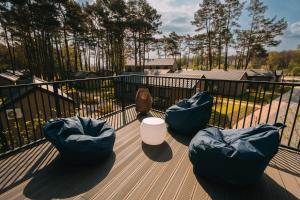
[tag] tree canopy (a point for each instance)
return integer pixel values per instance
(61, 36)
(52, 38)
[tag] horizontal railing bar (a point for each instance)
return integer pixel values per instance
(100, 97)
(21, 148)
(160, 76)
(61, 82)
(206, 79)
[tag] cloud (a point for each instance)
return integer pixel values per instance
(179, 29)
(176, 15)
(181, 20)
(295, 29)
(85, 1)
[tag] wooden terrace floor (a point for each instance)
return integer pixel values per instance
(136, 171)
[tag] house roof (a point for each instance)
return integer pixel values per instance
(259, 73)
(20, 72)
(153, 72)
(154, 62)
(25, 92)
(213, 74)
(9, 76)
(83, 74)
(191, 74)
(49, 88)
(156, 71)
(16, 75)
(225, 75)
(162, 82)
(278, 72)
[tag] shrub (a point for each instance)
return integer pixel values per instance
(296, 71)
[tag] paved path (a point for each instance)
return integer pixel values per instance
(281, 115)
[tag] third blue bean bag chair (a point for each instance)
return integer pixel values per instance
(236, 156)
(80, 140)
(188, 116)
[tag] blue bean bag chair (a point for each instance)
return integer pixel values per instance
(80, 140)
(188, 116)
(236, 156)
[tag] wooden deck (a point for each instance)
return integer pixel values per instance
(136, 171)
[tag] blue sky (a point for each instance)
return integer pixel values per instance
(177, 15)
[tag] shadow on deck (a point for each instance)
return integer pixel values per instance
(136, 171)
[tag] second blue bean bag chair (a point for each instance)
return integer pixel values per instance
(188, 116)
(80, 140)
(236, 156)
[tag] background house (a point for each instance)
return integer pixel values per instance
(13, 78)
(83, 75)
(260, 75)
(278, 75)
(7, 78)
(160, 63)
(18, 112)
(164, 89)
(230, 85)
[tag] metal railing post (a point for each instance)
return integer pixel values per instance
(56, 97)
(122, 93)
(205, 85)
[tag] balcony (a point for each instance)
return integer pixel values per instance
(30, 168)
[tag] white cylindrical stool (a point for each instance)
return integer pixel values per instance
(153, 130)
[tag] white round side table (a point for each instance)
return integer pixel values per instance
(153, 130)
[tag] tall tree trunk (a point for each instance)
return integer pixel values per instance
(58, 58)
(89, 58)
(67, 49)
(226, 56)
(80, 57)
(235, 61)
(188, 59)
(209, 51)
(9, 49)
(219, 52)
(85, 58)
(62, 56)
(13, 53)
(140, 51)
(51, 58)
(75, 52)
(135, 50)
(144, 52)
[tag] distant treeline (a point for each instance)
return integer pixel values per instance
(218, 31)
(54, 37)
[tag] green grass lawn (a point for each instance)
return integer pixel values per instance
(259, 96)
(219, 115)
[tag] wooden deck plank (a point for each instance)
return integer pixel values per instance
(171, 189)
(158, 186)
(151, 176)
(136, 171)
(274, 173)
(187, 185)
(125, 176)
(154, 160)
(291, 184)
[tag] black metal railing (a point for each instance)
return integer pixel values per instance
(237, 104)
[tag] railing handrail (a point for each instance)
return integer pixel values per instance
(58, 82)
(152, 76)
(206, 79)
(99, 96)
